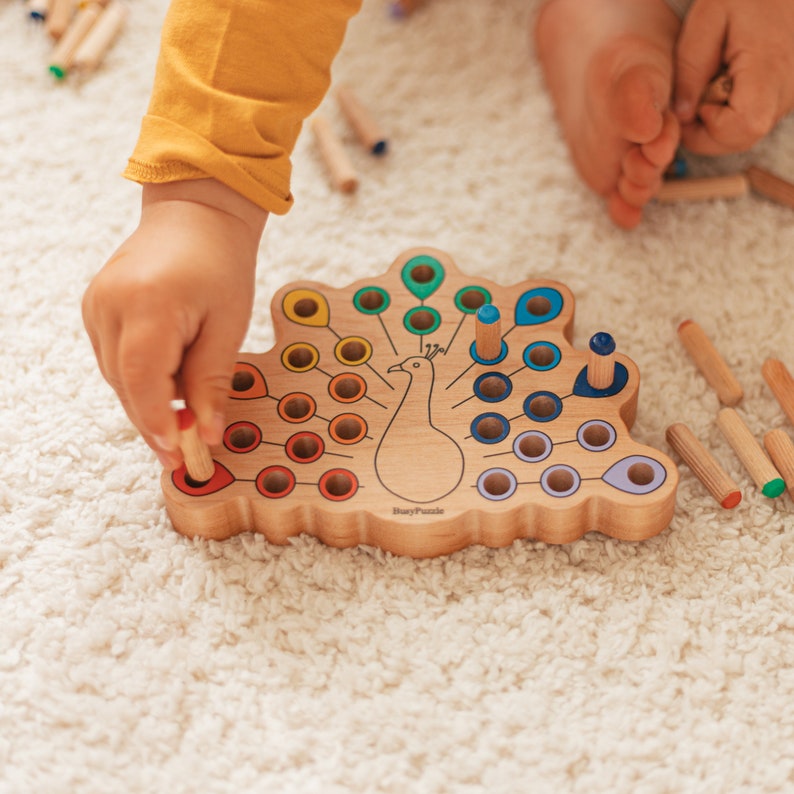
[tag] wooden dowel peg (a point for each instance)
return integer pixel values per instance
(97, 42)
(779, 380)
(404, 8)
(718, 91)
(198, 460)
(341, 169)
(771, 186)
(703, 188)
(63, 55)
(781, 449)
(488, 332)
(710, 363)
(367, 130)
(750, 453)
(601, 361)
(59, 17)
(703, 465)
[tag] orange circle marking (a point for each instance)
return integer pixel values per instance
(338, 485)
(347, 428)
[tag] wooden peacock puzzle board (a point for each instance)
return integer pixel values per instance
(374, 420)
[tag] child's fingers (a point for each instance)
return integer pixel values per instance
(698, 56)
(207, 372)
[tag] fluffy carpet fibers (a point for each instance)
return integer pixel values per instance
(135, 660)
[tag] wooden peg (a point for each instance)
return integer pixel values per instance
(488, 332)
(779, 380)
(703, 188)
(703, 465)
(781, 449)
(94, 46)
(601, 361)
(341, 169)
(710, 363)
(770, 186)
(59, 17)
(718, 91)
(63, 55)
(367, 130)
(750, 453)
(198, 460)
(404, 8)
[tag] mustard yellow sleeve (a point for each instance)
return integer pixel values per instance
(235, 80)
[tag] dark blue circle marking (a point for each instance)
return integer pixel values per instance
(490, 428)
(543, 406)
(493, 387)
(542, 356)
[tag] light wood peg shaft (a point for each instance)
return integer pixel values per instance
(488, 332)
(601, 361)
(718, 91)
(710, 363)
(703, 188)
(59, 16)
(341, 169)
(97, 42)
(367, 130)
(750, 453)
(770, 186)
(781, 449)
(703, 465)
(198, 460)
(65, 50)
(779, 380)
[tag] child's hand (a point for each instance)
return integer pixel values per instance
(169, 311)
(755, 42)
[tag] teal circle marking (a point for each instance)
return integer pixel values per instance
(469, 299)
(422, 320)
(536, 354)
(371, 300)
(422, 275)
(537, 306)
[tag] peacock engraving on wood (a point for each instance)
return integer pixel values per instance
(376, 418)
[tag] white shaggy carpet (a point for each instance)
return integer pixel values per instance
(134, 660)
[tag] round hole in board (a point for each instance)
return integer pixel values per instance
(371, 300)
(422, 320)
(532, 446)
(543, 406)
(242, 380)
(275, 482)
(242, 438)
(347, 388)
(300, 357)
(560, 481)
(538, 306)
(493, 387)
(640, 474)
(596, 435)
(497, 483)
(490, 427)
(348, 428)
(305, 447)
(353, 351)
(472, 299)
(423, 274)
(297, 407)
(306, 307)
(338, 484)
(542, 356)
(191, 483)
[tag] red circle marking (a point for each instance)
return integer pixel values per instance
(304, 447)
(275, 482)
(338, 485)
(238, 431)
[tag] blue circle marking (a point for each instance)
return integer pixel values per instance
(490, 428)
(479, 360)
(497, 384)
(539, 305)
(543, 406)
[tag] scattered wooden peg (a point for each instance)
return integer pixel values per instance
(779, 380)
(94, 46)
(703, 188)
(339, 166)
(59, 17)
(771, 186)
(703, 465)
(710, 363)
(198, 460)
(781, 449)
(63, 55)
(367, 130)
(750, 453)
